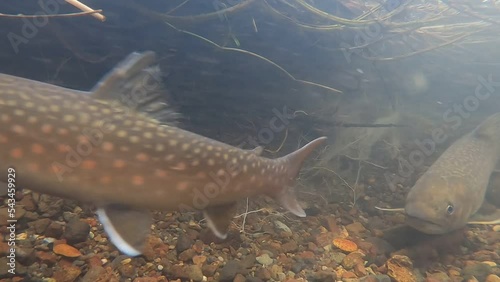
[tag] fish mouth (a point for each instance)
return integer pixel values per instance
(425, 225)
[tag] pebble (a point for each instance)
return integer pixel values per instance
(400, 268)
(490, 263)
(351, 260)
(492, 278)
(54, 230)
(360, 270)
(281, 226)
(345, 245)
(326, 276)
(68, 216)
(438, 277)
(195, 273)
(209, 269)
(478, 270)
(356, 228)
(183, 243)
(348, 275)
(25, 255)
(228, 272)
(4, 268)
(40, 225)
(76, 231)
(187, 255)
(376, 278)
(46, 257)
(254, 279)
(67, 273)
(324, 239)
(199, 260)
(49, 206)
(338, 257)
(263, 274)
(66, 250)
(264, 259)
(238, 278)
(95, 273)
(154, 248)
(276, 272)
(289, 247)
(496, 228)
(127, 270)
(22, 236)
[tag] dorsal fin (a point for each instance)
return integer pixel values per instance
(257, 150)
(137, 83)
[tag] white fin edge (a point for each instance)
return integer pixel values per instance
(212, 227)
(391, 210)
(484, 222)
(114, 236)
(294, 208)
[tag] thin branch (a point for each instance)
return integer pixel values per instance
(71, 15)
(86, 8)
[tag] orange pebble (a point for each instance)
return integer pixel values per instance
(67, 251)
(345, 245)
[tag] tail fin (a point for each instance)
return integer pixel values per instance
(294, 163)
(489, 128)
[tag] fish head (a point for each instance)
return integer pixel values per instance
(436, 205)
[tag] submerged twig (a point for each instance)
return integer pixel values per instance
(70, 15)
(255, 55)
(86, 8)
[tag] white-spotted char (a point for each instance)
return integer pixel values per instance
(448, 195)
(110, 149)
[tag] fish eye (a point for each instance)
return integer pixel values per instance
(450, 209)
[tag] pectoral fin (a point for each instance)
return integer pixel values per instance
(219, 217)
(288, 200)
(127, 228)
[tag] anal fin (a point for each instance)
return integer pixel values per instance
(127, 228)
(219, 217)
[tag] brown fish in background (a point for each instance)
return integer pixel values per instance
(449, 194)
(113, 149)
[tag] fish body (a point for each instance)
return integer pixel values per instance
(114, 150)
(452, 190)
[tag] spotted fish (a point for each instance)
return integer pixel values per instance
(113, 147)
(449, 194)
